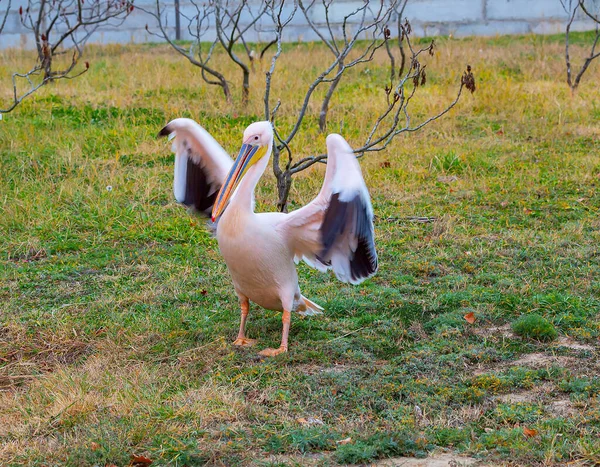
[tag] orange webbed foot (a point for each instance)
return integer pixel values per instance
(272, 352)
(244, 342)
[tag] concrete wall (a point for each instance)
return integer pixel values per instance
(428, 17)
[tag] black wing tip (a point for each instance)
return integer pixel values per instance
(166, 131)
(363, 261)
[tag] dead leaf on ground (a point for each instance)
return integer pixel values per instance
(529, 432)
(139, 461)
(470, 317)
(94, 446)
(527, 211)
(344, 441)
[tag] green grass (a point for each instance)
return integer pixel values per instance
(535, 327)
(117, 311)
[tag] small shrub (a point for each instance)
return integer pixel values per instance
(449, 162)
(356, 453)
(450, 436)
(535, 327)
(511, 414)
(382, 445)
(585, 386)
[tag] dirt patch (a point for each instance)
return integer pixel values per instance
(537, 360)
(533, 360)
(573, 344)
(495, 331)
(517, 398)
(562, 408)
(539, 393)
(505, 332)
(436, 460)
(338, 368)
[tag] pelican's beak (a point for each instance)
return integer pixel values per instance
(247, 157)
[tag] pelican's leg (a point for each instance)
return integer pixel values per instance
(242, 340)
(286, 319)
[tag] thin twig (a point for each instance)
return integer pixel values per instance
(54, 25)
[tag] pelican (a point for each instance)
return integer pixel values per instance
(261, 250)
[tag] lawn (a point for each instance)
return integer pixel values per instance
(117, 313)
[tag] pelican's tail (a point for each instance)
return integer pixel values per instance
(309, 308)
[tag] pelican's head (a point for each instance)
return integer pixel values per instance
(257, 141)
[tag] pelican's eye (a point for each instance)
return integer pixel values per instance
(256, 138)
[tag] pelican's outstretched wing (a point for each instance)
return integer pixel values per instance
(201, 165)
(335, 231)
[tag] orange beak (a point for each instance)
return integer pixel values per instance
(235, 175)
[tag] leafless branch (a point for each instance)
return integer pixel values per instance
(229, 22)
(60, 28)
(572, 7)
(362, 25)
(229, 32)
(200, 51)
(394, 118)
(399, 19)
(5, 17)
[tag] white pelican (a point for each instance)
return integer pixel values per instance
(334, 231)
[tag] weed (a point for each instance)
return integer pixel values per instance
(533, 326)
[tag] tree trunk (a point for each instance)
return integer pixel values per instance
(246, 88)
(226, 89)
(328, 96)
(284, 183)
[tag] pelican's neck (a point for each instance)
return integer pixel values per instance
(243, 198)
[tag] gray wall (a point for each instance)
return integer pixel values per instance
(428, 17)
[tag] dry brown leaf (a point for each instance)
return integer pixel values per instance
(470, 317)
(529, 432)
(140, 461)
(94, 446)
(527, 211)
(302, 421)
(344, 441)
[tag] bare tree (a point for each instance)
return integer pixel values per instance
(60, 29)
(215, 25)
(572, 7)
(394, 118)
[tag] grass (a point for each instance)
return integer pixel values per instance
(535, 327)
(117, 312)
